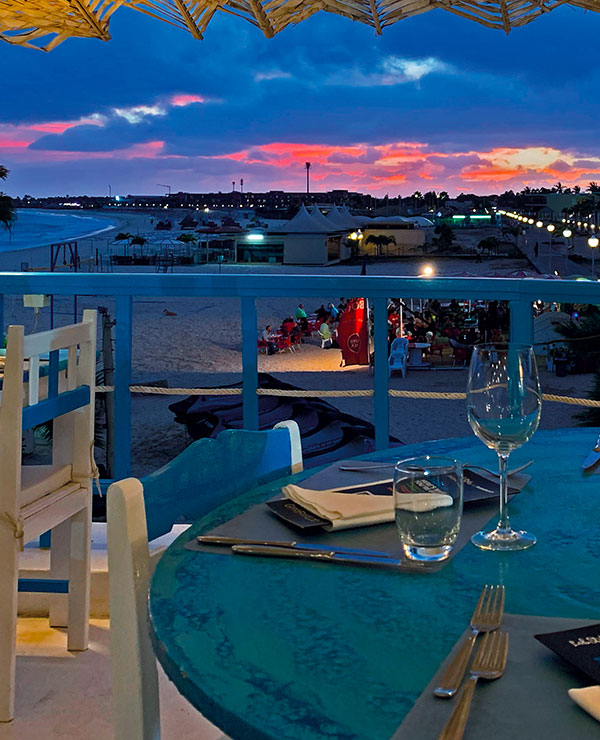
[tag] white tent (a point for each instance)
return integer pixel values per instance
(358, 221)
(318, 216)
(339, 220)
(304, 223)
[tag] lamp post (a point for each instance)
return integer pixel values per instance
(567, 234)
(593, 242)
(550, 228)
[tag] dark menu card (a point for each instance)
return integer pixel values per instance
(581, 647)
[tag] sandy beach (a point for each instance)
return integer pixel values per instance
(201, 346)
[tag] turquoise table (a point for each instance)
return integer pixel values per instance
(273, 649)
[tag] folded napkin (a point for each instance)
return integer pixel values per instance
(345, 510)
(588, 699)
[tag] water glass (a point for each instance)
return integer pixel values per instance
(428, 501)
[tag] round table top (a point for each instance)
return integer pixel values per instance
(272, 648)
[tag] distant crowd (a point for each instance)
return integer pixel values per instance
(459, 325)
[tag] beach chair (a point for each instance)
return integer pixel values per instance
(398, 356)
(56, 497)
(138, 511)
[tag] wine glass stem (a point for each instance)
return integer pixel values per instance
(504, 522)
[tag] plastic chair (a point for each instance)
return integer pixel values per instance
(326, 337)
(38, 498)
(217, 470)
(398, 356)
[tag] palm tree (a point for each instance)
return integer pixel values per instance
(7, 208)
(593, 187)
(380, 241)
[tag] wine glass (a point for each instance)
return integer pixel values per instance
(504, 403)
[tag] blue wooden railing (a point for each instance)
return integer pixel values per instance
(123, 287)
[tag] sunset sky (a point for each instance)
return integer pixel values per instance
(437, 102)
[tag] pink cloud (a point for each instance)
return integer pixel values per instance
(180, 100)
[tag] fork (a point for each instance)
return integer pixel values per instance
(489, 664)
(486, 618)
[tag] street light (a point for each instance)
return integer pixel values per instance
(593, 242)
(530, 222)
(550, 228)
(567, 234)
(427, 271)
(539, 224)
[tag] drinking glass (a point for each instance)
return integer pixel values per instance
(504, 403)
(428, 498)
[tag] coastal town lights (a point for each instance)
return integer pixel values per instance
(550, 227)
(427, 271)
(539, 224)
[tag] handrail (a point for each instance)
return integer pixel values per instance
(273, 285)
(520, 292)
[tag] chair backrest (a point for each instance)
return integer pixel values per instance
(71, 409)
(211, 471)
(400, 345)
(215, 470)
(135, 679)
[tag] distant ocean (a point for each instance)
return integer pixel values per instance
(38, 228)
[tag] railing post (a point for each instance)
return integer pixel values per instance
(521, 320)
(380, 379)
(123, 345)
(249, 362)
(1, 319)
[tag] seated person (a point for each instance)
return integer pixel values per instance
(287, 325)
(333, 312)
(268, 338)
(322, 312)
(325, 330)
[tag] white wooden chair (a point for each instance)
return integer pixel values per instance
(56, 497)
(129, 508)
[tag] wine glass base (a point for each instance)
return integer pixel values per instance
(427, 554)
(505, 540)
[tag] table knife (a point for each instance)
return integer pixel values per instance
(323, 555)
(593, 457)
(208, 539)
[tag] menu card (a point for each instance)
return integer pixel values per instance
(581, 647)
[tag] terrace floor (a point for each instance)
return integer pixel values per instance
(67, 696)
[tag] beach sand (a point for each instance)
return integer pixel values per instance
(201, 346)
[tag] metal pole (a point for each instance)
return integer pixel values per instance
(550, 256)
(380, 374)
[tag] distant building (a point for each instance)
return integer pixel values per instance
(406, 235)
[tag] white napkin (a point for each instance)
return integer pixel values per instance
(588, 699)
(345, 510)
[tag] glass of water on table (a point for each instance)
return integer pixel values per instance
(428, 502)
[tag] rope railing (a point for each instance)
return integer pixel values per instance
(430, 395)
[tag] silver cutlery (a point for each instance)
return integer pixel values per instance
(593, 457)
(323, 555)
(486, 618)
(382, 466)
(208, 539)
(489, 664)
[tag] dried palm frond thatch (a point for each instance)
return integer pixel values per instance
(45, 23)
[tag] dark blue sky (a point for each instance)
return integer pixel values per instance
(437, 102)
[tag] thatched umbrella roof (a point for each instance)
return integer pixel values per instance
(45, 23)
